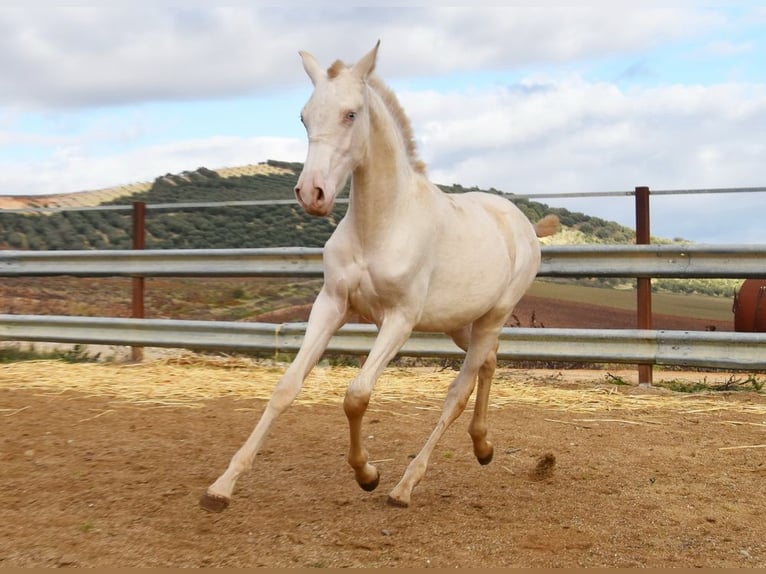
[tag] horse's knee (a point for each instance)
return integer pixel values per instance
(457, 400)
(489, 365)
(284, 393)
(355, 402)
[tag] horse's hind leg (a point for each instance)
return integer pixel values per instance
(482, 448)
(483, 342)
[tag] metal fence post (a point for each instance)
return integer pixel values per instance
(644, 285)
(137, 295)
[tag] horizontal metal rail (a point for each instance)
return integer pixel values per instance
(739, 351)
(162, 206)
(673, 261)
(343, 200)
(277, 262)
(562, 195)
(668, 261)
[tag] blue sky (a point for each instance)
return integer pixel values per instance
(524, 99)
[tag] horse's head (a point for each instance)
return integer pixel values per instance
(337, 123)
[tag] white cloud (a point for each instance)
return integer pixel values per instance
(70, 57)
(540, 136)
(81, 56)
(701, 131)
(726, 48)
(576, 136)
(72, 168)
(553, 131)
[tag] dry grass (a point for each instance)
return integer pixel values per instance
(190, 380)
(251, 169)
(99, 196)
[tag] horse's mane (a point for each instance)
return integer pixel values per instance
(397, 113)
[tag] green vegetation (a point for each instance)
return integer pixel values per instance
(748, 382)
(616, 380)
(267, 226)
(743, 382)
(186, 228)
(223, 227)
(694, 286)
(77, 354)
(86, 526)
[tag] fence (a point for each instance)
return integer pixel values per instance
(644, 345)
(736, 351)
(745, 351)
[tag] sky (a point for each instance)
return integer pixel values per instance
(526, 98)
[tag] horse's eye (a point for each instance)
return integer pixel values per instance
(351, 116)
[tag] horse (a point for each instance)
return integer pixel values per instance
(406, 256)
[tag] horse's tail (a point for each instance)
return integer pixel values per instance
(548, 225)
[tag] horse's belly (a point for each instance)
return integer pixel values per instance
(442, 304)
(446, 310)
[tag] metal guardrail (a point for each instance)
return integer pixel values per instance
(689, 348)
(667, 261)
(293, 262)
(672, 261)
(703, 349)
(646, 346)
(158, 206)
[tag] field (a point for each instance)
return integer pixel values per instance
(103, 463)
(547, 304)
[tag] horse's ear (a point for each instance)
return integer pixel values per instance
(364, 67)
(312, 67)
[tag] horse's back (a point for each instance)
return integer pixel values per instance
(511, 223)
(518, 237)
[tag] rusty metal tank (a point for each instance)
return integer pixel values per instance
(750, 307)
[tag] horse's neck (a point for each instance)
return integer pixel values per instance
(383, 185)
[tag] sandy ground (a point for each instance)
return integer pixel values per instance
(102, 465)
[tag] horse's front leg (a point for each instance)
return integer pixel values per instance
(327, 315)
(394, 332)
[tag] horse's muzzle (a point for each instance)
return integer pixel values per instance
(312, 197)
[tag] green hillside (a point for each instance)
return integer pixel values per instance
(226, 227)
(190, 228)
(254, 226)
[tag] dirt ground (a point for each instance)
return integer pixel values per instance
(103, 464)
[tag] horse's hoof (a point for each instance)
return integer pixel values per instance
(372, 485)
(397, 503)
(484, 460)
(213, 502)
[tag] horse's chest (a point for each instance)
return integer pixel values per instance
(381, 287)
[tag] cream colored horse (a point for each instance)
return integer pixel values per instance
(406, 256)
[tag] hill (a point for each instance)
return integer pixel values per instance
(218, 227)
(244, 226)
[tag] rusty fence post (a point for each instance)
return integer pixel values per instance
(137, 295)
(644, 285)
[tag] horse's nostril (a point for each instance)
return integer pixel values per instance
(320, 195)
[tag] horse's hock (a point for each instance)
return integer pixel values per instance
(750, 307)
